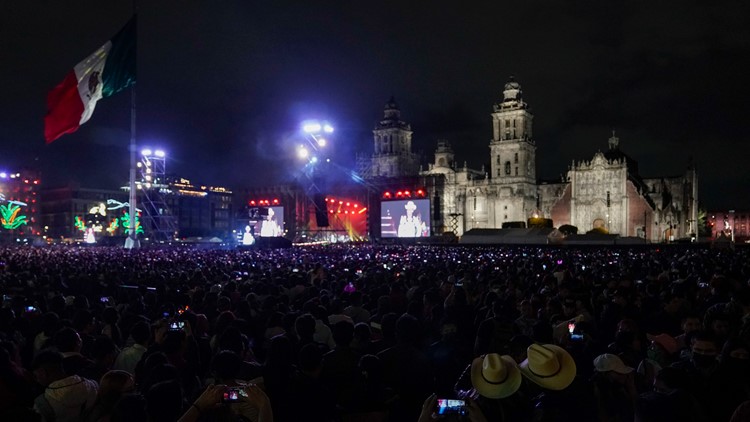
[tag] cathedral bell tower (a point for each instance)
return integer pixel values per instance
(393, 156)
(512, 149)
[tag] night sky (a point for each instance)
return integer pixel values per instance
(223, 85)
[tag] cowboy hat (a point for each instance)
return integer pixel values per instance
(495, 376)
(410, 205)
(549, 366)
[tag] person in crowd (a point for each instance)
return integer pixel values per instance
(355, 310)
(668, 400)
(69, 343)
(661, 352)
(129, 357)
(690, 323)
(494, 386)
(112, 387)
(559, 396)
(407, 369)
(66, 398)
(614, 388)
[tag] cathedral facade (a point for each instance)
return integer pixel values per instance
(606, 193)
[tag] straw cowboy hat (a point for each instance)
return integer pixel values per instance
(410, 205)
(495, 376)
(549, 366)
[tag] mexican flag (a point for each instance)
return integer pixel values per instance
(107, 71)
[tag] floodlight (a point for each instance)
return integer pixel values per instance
(4, 175)
(321, 142)
(327, 128)
(159, 153)
(146, 152)
(314, 160)
(312, 127)
(302, 152)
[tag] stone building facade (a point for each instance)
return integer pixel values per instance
(606, 192)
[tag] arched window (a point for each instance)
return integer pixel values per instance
(515, 158)
(507, 168)
(498, 159)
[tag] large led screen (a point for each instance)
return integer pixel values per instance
(263, 222)
(406, 218)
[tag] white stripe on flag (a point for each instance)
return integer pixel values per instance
(89, 76)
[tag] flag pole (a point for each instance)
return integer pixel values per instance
(132, 241)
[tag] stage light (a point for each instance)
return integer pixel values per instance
(327, 128)
(312, 127)
(252, 202)
(348, 204)
(146, 152)
(328, 160)
(407, 193)
(4, 175)
(159, 153)
(321, 142)
(302, 152)
(341, 202)
(356, 206)
(275, 200)
(314, 160)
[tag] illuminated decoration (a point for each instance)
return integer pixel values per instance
(80, 224)
(89, 237)
(125, 222)
(10, 217)
(99, 209)
(113, 226)
(116, 205)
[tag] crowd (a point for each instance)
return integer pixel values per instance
(375, 333)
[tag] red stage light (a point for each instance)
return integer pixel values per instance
(348, 204)
(399, 193)
(275, 201)
(407, 193)
(331, 211)
(346, 212)
(341, 202)
(252, 202)
(420, 192)
(355, 205)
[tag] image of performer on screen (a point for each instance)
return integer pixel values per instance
(248, 238)
(411, 224)
(269, 227)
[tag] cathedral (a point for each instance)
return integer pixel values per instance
(604, 193)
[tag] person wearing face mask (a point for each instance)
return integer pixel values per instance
(703, 380)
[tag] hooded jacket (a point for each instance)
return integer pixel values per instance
(66, 399)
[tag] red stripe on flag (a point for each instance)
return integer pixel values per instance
(64, 109)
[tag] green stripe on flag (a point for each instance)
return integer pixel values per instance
(120, 67)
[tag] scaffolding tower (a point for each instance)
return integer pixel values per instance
(158, 217)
